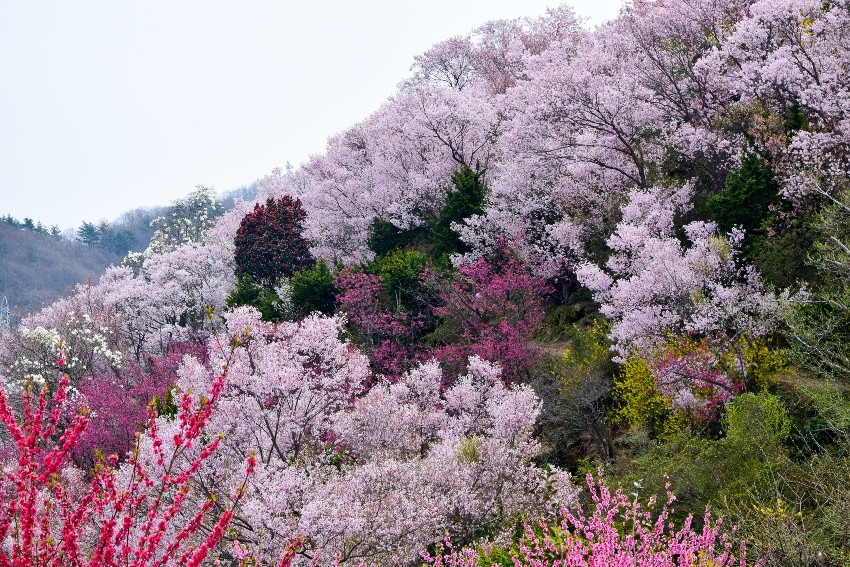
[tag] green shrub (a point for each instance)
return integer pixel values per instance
(313, 289)
(261, 298)
(746, 200)
(401, 275)
(384, 237)
(465, 200)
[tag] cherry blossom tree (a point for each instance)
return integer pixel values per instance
(81, 330)
(656, 287)
(495, 54)
(168, 298)
(789, 58)
(365, 475)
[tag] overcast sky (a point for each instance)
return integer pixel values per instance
(110, 105)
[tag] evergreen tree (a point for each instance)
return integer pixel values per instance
(88, 234)
(313, 290)
(466, 200)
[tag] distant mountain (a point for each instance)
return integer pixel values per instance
(38, 264)
(37, 268)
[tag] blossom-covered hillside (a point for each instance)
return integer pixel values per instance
(619, 254)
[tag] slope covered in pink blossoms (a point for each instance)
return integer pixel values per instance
(554, 254)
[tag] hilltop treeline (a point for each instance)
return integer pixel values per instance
(39, 264)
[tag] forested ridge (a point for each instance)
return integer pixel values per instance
(568, 297)
(40, 264)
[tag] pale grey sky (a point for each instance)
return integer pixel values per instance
(110, 105)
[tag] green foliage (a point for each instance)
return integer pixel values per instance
(717, 471)
(827, 484)
(760, 422)
(796, 512)
(776, 242)
(577, 389)
(639, 404)
(465, 200)
(166, 406)
(795, 119)
(762, 361)
(495, 555)
(589, 347)
(28, 224)
(88, 234)
(819, 331)
(313, 289)
(112, 238)
(257, 296)
(563, 320)
(401, 274)
(831, 403)
(116, 240)
(384, 237)
(780, 255)
(747, 197)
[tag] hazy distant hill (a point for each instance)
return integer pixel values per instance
(37, 265)
(36, 269)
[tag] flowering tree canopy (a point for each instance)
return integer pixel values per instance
(269, 244)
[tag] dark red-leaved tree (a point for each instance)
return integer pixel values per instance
(269, 244)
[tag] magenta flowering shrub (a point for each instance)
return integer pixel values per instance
(118, 404)
(618, 531)
(387, 336)
(497, 307)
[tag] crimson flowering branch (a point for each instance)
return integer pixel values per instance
(387, 335)
(139, 515)
(498, 306)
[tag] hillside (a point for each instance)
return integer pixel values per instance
(40, 265)
(36, 269)
(568, 297)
